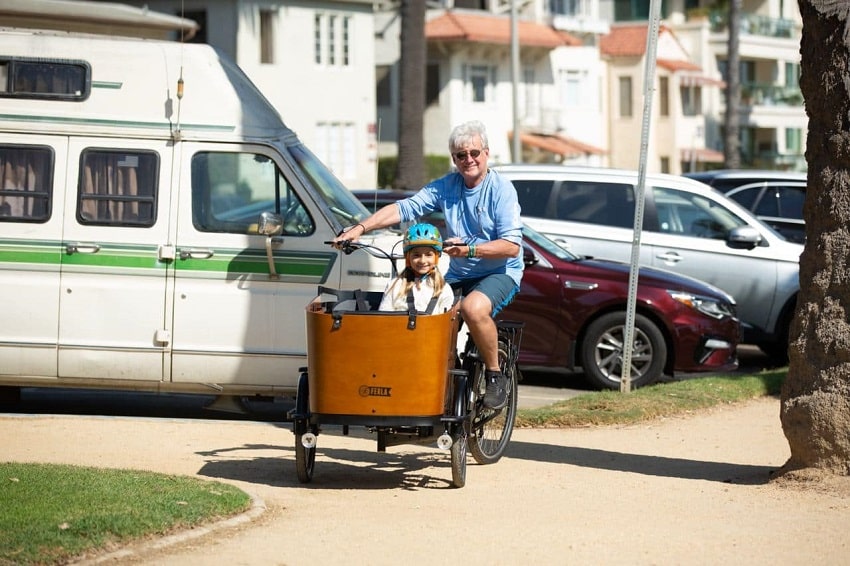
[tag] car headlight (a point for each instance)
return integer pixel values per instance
(706, 305)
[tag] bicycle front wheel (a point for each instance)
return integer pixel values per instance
(491, 430)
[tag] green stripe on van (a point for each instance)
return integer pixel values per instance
(225, 263)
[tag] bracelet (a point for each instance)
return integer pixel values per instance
(470, 253)
(350, 228)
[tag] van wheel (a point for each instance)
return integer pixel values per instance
(602, 351)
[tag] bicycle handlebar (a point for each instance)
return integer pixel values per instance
(349, 246)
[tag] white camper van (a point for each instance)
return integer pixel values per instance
(134, 174)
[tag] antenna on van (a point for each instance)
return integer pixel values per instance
(176, 133)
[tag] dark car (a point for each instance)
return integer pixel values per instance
(373, 199)
(574, 311)
(775, 197)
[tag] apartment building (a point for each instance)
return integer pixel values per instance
(772, 116)
(314, 61)
(581, 86)
(560, 101)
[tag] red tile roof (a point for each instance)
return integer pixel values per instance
(626, 40)
(455, 26)
(557, 144)
(677, 65)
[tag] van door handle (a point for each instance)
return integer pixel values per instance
(81, 248)
(670, 257)
(196, 253)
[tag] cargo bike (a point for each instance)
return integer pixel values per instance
(399, 375)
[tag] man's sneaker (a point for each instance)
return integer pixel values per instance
(496, 394)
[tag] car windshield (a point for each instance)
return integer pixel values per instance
(547, 244)
(346, 208)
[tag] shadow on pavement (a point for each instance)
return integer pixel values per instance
(641, 464)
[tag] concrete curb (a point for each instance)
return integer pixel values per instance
(258, 507)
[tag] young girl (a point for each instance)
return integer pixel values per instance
(421, 283)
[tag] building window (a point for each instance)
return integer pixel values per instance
(331, 40)
(317, 39)
(627, 10)
(383, 86)
(336, 147)
(665, 164)
(200, 18)
(346, 49)
(479, 81)
(266, 36)
(793, 140)
(573, 8)
(625, 84)
(432, 84)
(691, 100)
(332, 36)
(792, 75)
(664, 96)
(571, 91)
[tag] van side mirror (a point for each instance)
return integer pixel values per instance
(270, 224)
(744, 237)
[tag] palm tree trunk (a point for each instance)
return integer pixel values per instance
(410, 168)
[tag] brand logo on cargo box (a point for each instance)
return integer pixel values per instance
(374, 391)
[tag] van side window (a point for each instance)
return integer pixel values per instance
(117, 188)
(230, 190)
(22, 77)
(26, 183)
(608, 204)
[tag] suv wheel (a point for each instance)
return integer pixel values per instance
(602, 351)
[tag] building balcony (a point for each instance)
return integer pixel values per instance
(761, 94)
(754, 24)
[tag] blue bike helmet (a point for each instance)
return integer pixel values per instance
(423, 235)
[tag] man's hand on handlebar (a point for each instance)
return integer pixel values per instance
(347, 236)
(454, 247)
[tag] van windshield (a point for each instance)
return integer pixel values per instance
(346, 208)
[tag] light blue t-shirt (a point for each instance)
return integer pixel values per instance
(490, 211)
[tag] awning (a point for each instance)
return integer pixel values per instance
(700, 80)
(702, 155)
(559, 145)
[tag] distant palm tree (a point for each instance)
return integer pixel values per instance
(410, 167)
(732, 121)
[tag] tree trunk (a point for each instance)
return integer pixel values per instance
(732, 120)
(815, 411)
(410, 168)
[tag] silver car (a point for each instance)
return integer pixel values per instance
(775, 197)
(688, 228)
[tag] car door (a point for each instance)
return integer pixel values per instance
(113, 278)
(32, 196)
(692, 239)
(237, 322)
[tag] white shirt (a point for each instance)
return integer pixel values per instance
(395, 299)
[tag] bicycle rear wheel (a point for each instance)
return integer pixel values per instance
(491, 430)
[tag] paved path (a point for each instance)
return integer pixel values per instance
(689, 490)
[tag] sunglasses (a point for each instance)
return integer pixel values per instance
(462, 155)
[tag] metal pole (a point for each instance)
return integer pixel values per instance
(515, 141)
(640, 190)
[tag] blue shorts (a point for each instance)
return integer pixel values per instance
(499, 288)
